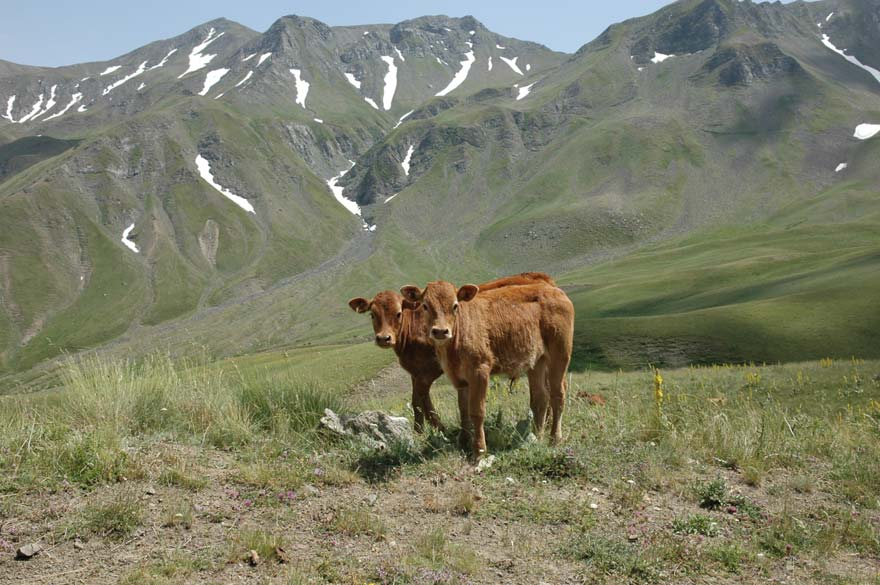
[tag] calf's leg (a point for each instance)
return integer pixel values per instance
(557, 396)
(478, 386)
(539, 395)
(464, 436)
(423, 407)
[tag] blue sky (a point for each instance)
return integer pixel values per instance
(62, 32)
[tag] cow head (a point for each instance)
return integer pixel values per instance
(386, 310)
(440, 301)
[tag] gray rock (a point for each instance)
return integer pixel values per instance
(28, 551)
(376, 429)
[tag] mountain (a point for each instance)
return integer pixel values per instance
(699, 178)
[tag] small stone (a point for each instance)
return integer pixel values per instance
(253, 558)
(150, 491)
(310, 490)
(509, 480)
(594, 506)
(371, 499)
(78, 545)
(486, 463)
(632, 537)
(28, 551)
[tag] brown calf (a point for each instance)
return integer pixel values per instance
(509, 330)
(397, 326)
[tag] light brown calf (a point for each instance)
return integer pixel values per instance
(511, 330)
(397, 326)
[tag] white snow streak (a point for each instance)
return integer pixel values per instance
(660, 57)
(350, 205)
(461, 75)
(371, 102)
(490, 63)
(528, 66)
(49, 104)
(840, 167)
(399, 54)
(353, 80)
(197, 60)
(246, 77)
(302, 88)
(441, 61)
(390, 198)
(82, 109)
(212, 78)
(204, 168)
(512, 64)
(827, 18)
(9, 104)
(407, 158)
(263, 57)
(497, 46)
(865, 131)
(141, 86)
(403, 117)
(128, 243)
(827, 42)
(390, 82)
(249, 57)
(34, 111)
(73, 100)
(472, 32)
(319, 120)
(141, 68)
(524, 91)
(163, 61)
(107, 71)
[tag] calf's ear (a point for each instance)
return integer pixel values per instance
(411, 293)
(359, 305)
(467, 292)
(410, 305)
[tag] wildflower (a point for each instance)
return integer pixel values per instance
(658, 392)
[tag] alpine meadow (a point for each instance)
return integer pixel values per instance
(187, 396)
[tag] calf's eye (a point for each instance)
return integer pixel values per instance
(399, 313)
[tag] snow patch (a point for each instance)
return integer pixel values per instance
(524, 91)
(660, 57)
(497, 46)
(107, 71)
(302, 87)
(163, 61)
(204, 168)
(263, 57)
(353, 80)
(399, 54)
(212, 78)
(528, 66)
(827, 18)
(461, 75)
(84, 78)
(490, 63)
(249, 57)
(128, 243)
(865, 131)
(472, 32)
(403, 117)
(371, 102)
(141, 86)
(441, 61)
(840, 167)
(512, 64)
(34, 110)
(390, 82)
(82, 109)
(246, 77)
(407, 159)
(49, 104)
(9, 104)
(319, 120)
(197, 59)
(73, 100)
(141, 68)
(350, 205)
(827, 42)
(217, 97)
(390, 198)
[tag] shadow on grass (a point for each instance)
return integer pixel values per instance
(381, 465)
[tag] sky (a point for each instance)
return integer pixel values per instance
(63, 32)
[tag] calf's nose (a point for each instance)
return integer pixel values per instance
(383, 338)
(439, 333)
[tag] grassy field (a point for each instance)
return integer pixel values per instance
(163, 472)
